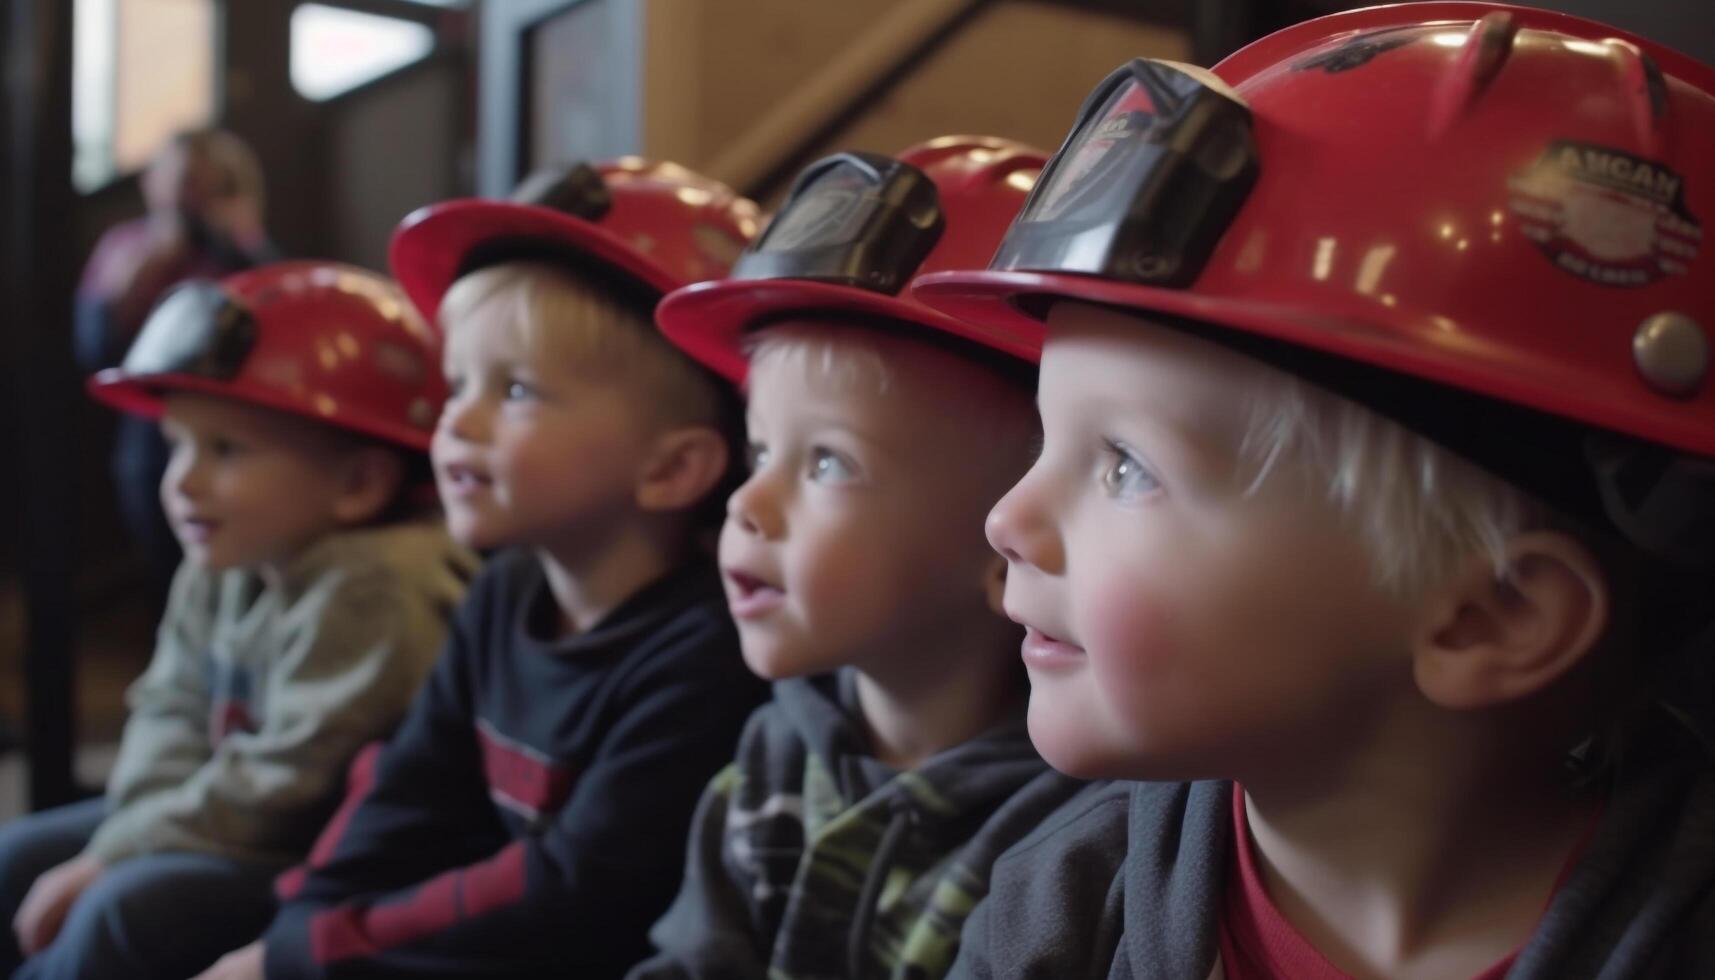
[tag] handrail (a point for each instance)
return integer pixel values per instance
(779, 134)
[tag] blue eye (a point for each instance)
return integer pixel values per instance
(1124, 476)
(756, 456)
(517, 391)
(827, 466)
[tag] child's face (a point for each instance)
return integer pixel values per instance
(246, 487)
(1181, 623)
(534, 447)
(857, 539)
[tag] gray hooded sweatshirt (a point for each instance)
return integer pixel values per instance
(1126, 882)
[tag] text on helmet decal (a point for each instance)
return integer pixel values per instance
(1606, 215)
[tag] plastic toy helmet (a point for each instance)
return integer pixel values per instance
(1483, 220)
(855, 230)
(660, 225)
(332, 342)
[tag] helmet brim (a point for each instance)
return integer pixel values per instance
(1012, 304)
(433, 245)
(146, 396)
(709, 320)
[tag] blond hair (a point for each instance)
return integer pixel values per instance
(565, 314)
(995, 415)
(1421, 509)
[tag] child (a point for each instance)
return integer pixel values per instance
(858, 824)
(1371, 494)
(529, 819)
(297, 400)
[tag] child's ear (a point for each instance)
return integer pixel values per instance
(1484, 642)
(681, 468)
(370, 478)
(994, 583)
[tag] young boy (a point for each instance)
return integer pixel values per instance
(312, 600)
(1377, 485)
(857, 826)
(529, 819)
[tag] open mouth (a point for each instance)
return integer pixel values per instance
(197, 530)
(749, 597)
(464, 480)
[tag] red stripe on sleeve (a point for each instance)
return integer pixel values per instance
(496, 882)
(352, 931)
(359, 780)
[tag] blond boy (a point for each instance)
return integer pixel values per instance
(858, 823)
(529, 817)
(1371, 534)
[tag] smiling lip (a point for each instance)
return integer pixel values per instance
(751, 597)
(462, 482)
(1043, 651)
(198, 530)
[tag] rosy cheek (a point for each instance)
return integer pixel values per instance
(1130, 631)
(825, 578)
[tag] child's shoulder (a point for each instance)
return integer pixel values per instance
(771, 740)
(768, 760)
(673, 639)
(1088, 831)
(408, 560)
(513, 572)
(682, 617)
(1643, 889)
(1055, 900)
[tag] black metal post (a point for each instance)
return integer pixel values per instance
(35, 328)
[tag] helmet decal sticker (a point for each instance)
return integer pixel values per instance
(1605, 215)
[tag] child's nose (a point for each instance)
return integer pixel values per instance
(464, 418)
(184, 475)
(753, 508)
(1018, 528)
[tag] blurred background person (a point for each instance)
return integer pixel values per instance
(204, 197)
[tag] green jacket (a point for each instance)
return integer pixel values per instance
(257, 697)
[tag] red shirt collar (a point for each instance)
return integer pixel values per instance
(1256, 941)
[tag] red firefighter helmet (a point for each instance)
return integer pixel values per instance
(855, 231)
(659, 224)
(1454, 212)
(1505, 200)
(332, 342)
